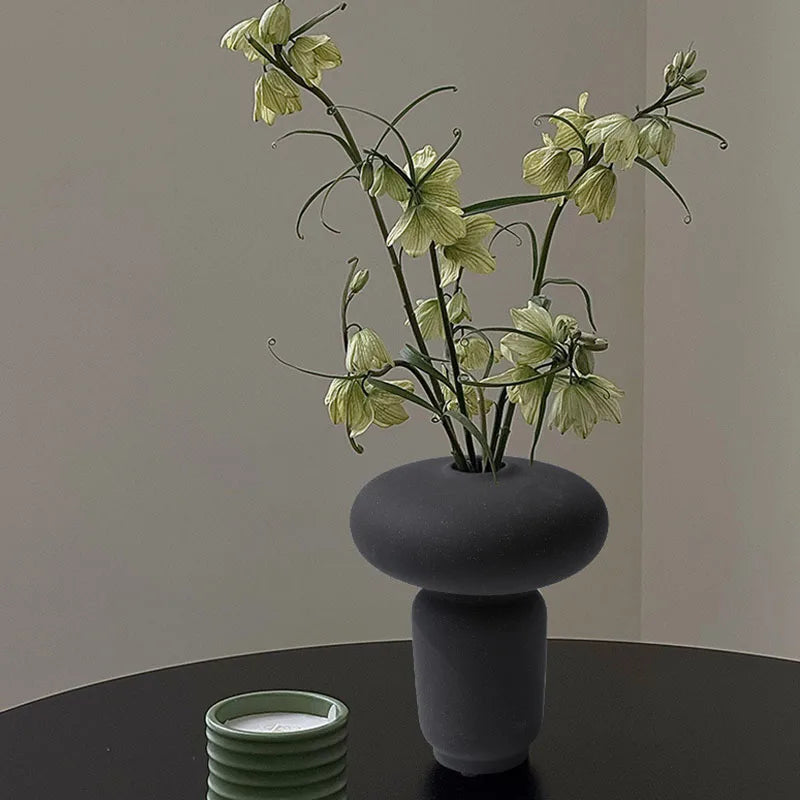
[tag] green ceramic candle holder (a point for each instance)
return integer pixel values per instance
(281, 745)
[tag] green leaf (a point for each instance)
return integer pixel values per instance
(540, 418)
(682, 97)
(403, 143)
(391, 388)
(315, 195)
(506, 202)
(723, 142)
(314, 132)
(587, 298)
(424, 364)
(477, 433)
(316, 20)
(665, 180)
(415, 102)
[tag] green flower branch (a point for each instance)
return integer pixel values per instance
(552, 360)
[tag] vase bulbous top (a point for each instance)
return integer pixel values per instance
(430, 525)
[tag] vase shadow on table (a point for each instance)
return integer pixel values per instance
(521, 783)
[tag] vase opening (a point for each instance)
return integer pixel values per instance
(480, 470)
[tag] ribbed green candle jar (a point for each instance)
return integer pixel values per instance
(284, 763)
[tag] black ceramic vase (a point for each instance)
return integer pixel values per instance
(480, 551)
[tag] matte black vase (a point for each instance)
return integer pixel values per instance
(479, 550)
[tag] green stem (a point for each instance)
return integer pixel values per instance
(548, 238)
(498, 418)
(451, 351)
(280, 62)
(504, 433)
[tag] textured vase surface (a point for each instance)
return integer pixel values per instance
(479, 550)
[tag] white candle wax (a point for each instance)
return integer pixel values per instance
(277, 722)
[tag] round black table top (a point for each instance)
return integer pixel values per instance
(622, 721)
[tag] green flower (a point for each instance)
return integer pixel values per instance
(458, 308)
(472, 400)
(657, 138)
(469, 251)
(348, 404)
(388, 408)
(619, 135)
(275, 24)
(566, 137)
(528, 396)
(275, 94)
(526, 350)
(355, 407)
(310, 55)
(433, 213)
(366, 352)
(474, 353)
(547, 167)
(580, 403)
(596, 192)
(386, 181)
(429, 318)
(236, 39)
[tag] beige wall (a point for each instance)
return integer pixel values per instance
(722, 438)
(168, 493)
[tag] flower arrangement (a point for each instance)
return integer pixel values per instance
(551, 359)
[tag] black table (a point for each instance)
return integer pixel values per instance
(622, 722)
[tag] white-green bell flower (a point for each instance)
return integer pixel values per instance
(619, 136)
(429, 318)
(470, 251)
(310, 55)
(474, 353)
(579, 403)
(520, 349)
(349, 405)
(434, 213)
(275, 95)
(566, 137)
(236, 37)
(565, 327)
(386, 181)
(263, 102)
(388, 408)
(547, 167)
(595, 192)
(657, 138)
(366, 352)
(275, 24)
(458, 308)
(528, 396)
(472, 400)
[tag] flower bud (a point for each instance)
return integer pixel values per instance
(359, 281)
(591, 342)
(678, 60)
(458, 308)
(698, 76)
(542, 300)
(690, 57)
(366, 351)
(584, 361)
(275, 24)
(669, 74)
(367, 175)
